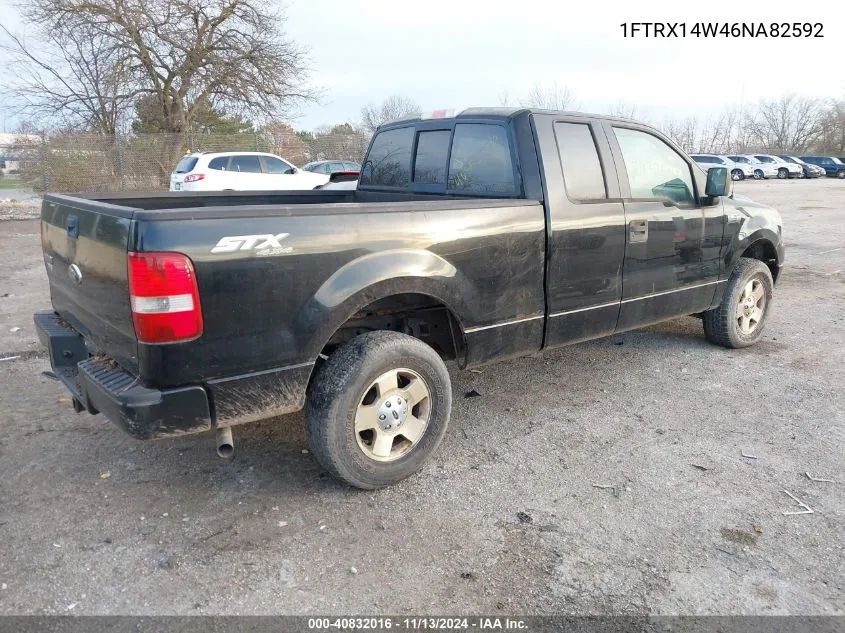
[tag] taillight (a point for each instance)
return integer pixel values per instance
(164, 297)
(193, 177)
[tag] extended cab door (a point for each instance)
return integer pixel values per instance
(671, 253)
(586, 220)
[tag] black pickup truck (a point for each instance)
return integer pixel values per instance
(478, 236)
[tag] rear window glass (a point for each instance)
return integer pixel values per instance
(579, 158)
(430, 162)
(186, 164)
(481, 159)
(389, 161)
(250, 164)
(219, 163)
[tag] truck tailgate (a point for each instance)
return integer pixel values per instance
(85, 245)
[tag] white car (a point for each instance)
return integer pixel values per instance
(738, 171)
(785, 169)
(760, 169)
(241, 171)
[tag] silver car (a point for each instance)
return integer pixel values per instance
(739, 171)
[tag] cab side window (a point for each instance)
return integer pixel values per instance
(655, 170)
(582, 173)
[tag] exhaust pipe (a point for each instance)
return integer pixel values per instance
(225, 444)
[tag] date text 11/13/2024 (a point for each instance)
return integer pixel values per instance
(722, 29)
(419, 623)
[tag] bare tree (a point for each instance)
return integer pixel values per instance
(684, 132)
(627, 110)
(790, 124)
(550, 97)
(183, 54)
(75, 80)
(832, 129)
(716, 134)
(283, 140)
(394, 107)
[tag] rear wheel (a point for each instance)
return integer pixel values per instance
(739, 320)
(737, 174)
(378, 409)
(758, 174)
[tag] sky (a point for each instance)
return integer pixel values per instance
(459, 53)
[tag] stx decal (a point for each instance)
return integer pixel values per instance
(264, 243)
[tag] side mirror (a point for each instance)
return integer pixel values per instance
(719, 182)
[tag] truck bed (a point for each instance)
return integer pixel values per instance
(267, 317)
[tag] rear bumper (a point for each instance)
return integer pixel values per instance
(100, 386)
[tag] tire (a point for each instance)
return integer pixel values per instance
(840, 174)
(369, 377)
(758, 174)
(783, 173)
(737, 174)
(728, 324)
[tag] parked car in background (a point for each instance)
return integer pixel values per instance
(760, 169)
(833, 167)
(331, 166)
(342, 180)
(784, 169)
(240, 171)
(810, 171)
(739, 171)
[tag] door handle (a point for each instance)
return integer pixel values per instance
(638, 230)
(72, 226)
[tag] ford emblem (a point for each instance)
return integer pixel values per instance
(75, 274)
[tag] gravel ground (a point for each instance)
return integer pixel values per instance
(505, 519)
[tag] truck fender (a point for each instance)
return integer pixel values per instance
(744, 240)
(377, 276)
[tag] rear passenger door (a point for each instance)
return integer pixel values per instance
(586, 218)
(245, 173)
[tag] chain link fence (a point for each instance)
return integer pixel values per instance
(85, 162)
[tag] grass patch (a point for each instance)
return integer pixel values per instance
(12, 183)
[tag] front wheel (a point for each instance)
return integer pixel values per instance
(739, 320)
(737, 174)
(840, 174)
(783, 172)
(378, 408)
(758, 174)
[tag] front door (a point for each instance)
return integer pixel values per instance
(665, 273)
(245, 173)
